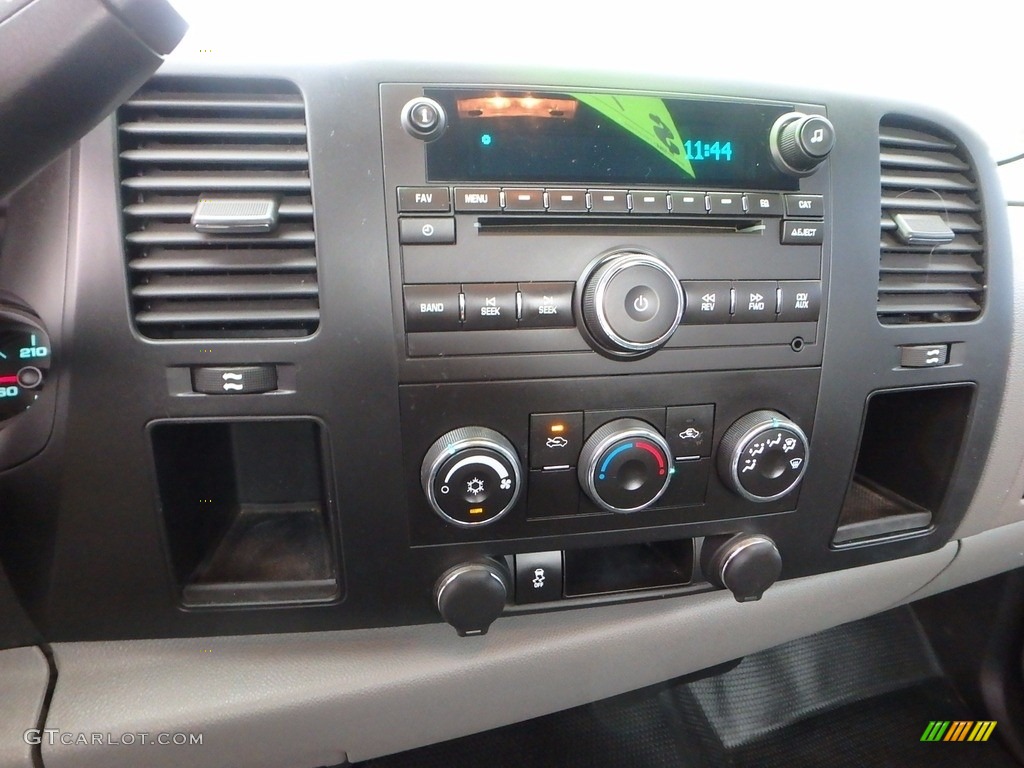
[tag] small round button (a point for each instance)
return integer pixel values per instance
(642, 303)
(631, 303)
(424, 119)
(30, 377)
(817, 136)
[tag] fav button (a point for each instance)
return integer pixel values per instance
(424, 199)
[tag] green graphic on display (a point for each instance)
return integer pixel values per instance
(647, 118)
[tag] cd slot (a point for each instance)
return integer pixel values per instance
(590, 224)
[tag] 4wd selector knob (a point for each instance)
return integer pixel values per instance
(763, 456)
(800, 142)
(632, 303)
(625, 466)
(471, 476)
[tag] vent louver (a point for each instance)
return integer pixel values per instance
(186, 141)
(925, 172)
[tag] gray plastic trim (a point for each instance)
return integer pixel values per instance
(24, 678)
(998, 498)
(314, 699)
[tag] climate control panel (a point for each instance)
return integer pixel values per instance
(523, 469)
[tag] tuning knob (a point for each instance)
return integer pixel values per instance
(471, 476)
(763, 456)
(472, 595)
(800, 143)
(632, 303)
(745, 564)
(625, 466)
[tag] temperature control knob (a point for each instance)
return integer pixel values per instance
(800, 143)
(471, 476)
(763, 456)
(632, 303)
(625, 466)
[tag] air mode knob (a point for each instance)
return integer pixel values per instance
(800, 143)
(763, 456)
(625, 466)
(631, 303)
(471, 476)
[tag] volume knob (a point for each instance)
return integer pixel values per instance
(800, 143)
(632, 303)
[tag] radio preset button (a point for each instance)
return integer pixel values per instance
(546, 305)
(431, 308)
(725, 203)
(490, 306)
(707, 302)
(802, 232)
(764, 203)
(424, 200)
(609, 201)
(805, 205)
(567, 200)
(754, 302)
(420, 231)
(473, 199)
(799, 301)
(686, 203)
(649, 202)
(519, 199)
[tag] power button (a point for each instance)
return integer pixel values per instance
(642, 303)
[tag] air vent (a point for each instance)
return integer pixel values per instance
(237, 147)
(929, 193)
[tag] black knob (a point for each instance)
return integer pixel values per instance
(471, 476)
(800, 143)
(472, 595)
(745, 564)
(424, 119)
(625, 466)
(763, 456)
(631, 303)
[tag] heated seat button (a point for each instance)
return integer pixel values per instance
(799, 301)
(546, 305)
(555, 439)
(538, 577)
(431, 308)
(754, 302)
(490, 306)
(707, 302)
(234, 380)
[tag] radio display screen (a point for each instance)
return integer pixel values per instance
(513, 136)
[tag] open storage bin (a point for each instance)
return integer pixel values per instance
(908, 450)
(245, 511)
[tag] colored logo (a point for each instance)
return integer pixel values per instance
(958, 730)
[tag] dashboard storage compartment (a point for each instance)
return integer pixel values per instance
(245, 511)
(908, 450)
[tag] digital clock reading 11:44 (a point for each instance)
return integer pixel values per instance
(706, 150)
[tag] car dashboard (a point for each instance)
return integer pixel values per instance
(621, 375)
